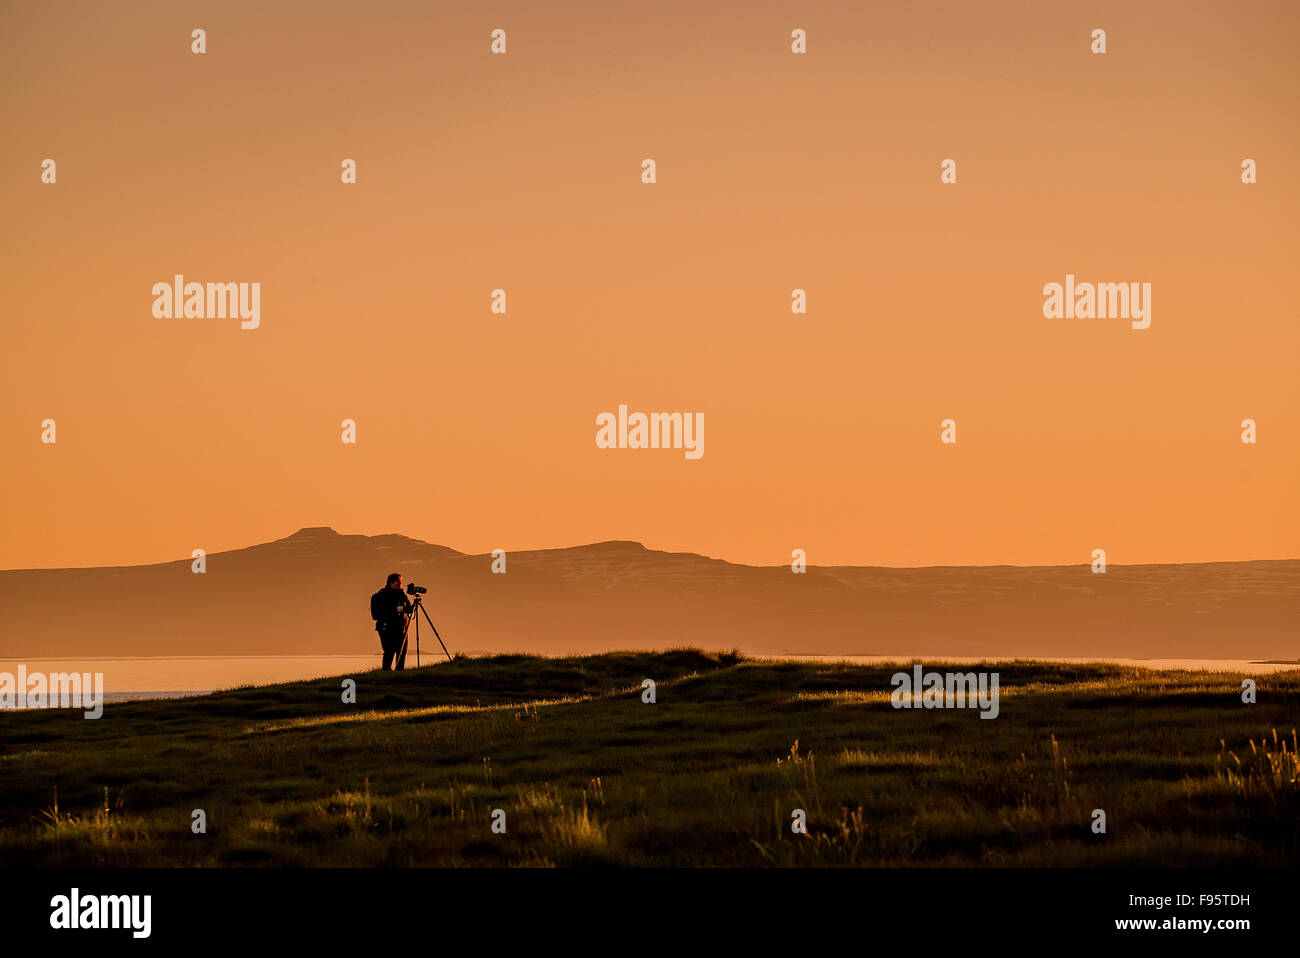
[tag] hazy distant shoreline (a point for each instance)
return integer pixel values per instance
(133, 678)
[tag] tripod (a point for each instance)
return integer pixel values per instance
(415, 615)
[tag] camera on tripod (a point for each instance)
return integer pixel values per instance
(413, 615)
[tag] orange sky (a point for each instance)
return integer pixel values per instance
(775, 171)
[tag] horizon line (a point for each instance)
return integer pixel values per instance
(642, 545)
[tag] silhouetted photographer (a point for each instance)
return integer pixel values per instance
(389, 607)
(393, 613)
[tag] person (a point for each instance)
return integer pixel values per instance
(389, 607)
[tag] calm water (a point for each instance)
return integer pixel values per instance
(158, 677)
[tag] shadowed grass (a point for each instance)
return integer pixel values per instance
(587, 774)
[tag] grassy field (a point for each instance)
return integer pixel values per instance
(708, 775)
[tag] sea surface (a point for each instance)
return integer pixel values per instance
(131, 677)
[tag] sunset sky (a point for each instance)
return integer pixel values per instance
(775, 171)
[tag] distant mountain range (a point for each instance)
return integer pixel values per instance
(309, 593)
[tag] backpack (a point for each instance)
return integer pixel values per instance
(376, 608)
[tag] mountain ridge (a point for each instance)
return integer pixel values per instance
(328, 533)
(308, 592)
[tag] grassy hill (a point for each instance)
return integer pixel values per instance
(708, 775)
